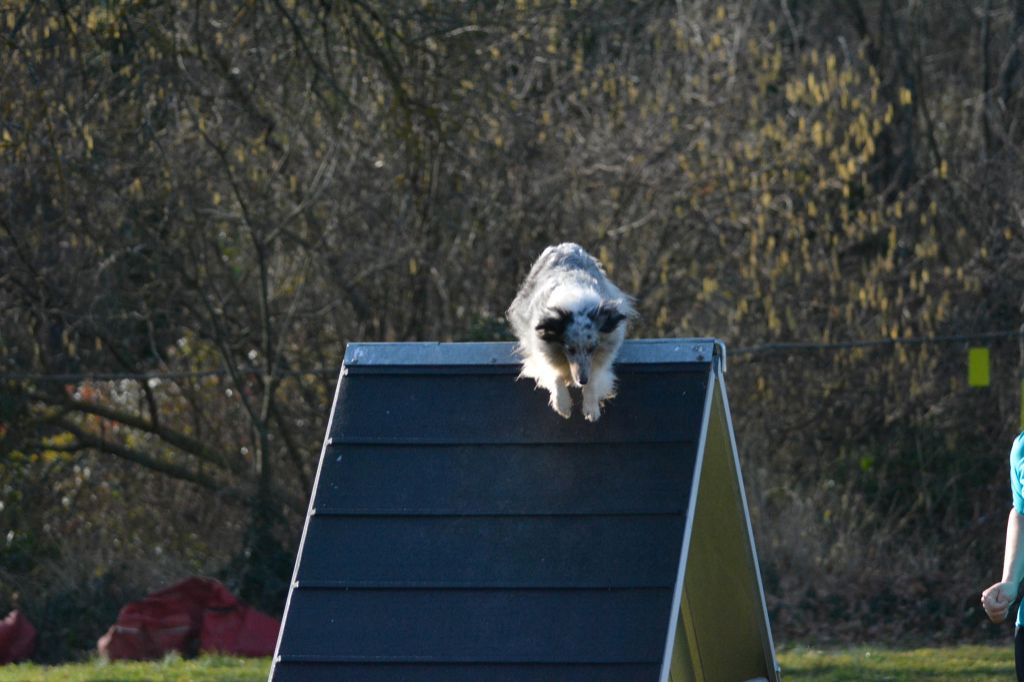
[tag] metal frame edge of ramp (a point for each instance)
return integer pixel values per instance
(459, 530)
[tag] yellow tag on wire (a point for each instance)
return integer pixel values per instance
(978, 374)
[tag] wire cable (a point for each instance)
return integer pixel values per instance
(76, 377)
(876, 343)
(780, 347)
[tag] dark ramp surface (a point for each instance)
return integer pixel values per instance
(461, 530)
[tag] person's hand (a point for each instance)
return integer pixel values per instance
(997, 599)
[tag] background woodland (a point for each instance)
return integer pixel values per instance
(202, 201)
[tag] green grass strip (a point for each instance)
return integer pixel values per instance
(865, 664)
(860, 664)
(170, 669)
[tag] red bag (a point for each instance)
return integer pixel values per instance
(17, 638)
(142, 632)
(242, 631)
(197, 614)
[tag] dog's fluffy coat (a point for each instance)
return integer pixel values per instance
(570, 321)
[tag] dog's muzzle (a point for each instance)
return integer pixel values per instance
(579, 375)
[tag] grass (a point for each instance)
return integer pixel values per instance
(170, 669)
(867, 664)
(861, 664)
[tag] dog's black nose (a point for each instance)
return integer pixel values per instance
(583, 381)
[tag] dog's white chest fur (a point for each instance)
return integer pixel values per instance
(570, 320)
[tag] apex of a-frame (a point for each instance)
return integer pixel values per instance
(499, 354)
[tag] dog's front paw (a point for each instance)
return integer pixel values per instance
(561, 402)
(594, 395)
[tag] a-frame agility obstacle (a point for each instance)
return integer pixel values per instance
(460, 530)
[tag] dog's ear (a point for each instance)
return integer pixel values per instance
(552, 327)
(607, 317)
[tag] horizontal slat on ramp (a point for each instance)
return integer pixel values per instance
(478, 626)
(508, 551)
(580, 478)
(483, 409)
(287, 671)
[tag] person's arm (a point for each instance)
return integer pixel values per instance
(998, 598)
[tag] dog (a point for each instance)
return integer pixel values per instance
(570, 321)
